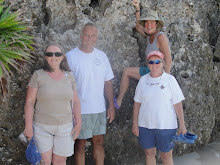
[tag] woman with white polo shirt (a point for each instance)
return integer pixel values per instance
(157, 103)
(149, 26)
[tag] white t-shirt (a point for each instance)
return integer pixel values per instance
(90, 71)
(157, 97)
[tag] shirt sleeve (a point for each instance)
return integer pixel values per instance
(138, 93)
(176, 92)
(34, 81)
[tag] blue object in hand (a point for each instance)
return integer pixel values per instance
(190, 136)
(182, 139)
(32, 154)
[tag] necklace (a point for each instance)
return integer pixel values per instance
(155, 84)
(150, 34)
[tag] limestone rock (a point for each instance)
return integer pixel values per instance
(193, 30)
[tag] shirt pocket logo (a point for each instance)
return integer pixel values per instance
(97, 61)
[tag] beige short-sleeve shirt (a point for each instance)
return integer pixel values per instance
(53, 103)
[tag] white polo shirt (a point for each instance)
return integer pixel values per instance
(90, 71)
(157, 97)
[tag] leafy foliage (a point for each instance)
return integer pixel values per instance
(15, 45)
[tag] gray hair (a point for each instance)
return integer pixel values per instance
(89, 24)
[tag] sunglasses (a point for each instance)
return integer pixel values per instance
(154, 62)
(50, 54)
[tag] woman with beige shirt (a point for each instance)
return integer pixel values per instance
(52, 108)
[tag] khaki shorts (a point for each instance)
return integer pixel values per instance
(93, 124)
(55, 137)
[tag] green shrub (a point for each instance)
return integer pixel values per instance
(15, 45)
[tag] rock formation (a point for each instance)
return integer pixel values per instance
(193, 29)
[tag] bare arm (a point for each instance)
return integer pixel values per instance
(135, 128)
(179, 111)
(109, 95)
(29, 111)
(77, 115)
(163, 45)
(138, 27)
(137, 6)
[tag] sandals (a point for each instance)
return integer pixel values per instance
(190, 136)
(116, 104)
(187, 138)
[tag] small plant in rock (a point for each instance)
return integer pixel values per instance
(15, 44)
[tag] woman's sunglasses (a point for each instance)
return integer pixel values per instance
(154, 62)
(50, 54)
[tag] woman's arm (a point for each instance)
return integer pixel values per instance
(135, 128)
(163, 45)
(179, 112)
(139, 27)
(29, 111)
(77, 115)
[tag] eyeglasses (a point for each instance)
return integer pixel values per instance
(50, 54)
(154, 62)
